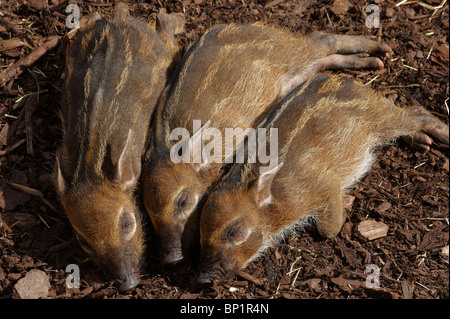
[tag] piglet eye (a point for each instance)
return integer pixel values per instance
(182, 200)
(234, 231)
(127, 225)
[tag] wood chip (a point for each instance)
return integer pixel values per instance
(371, 229)
(444, 252)
(10, 44)
(250, 278)
(383, 207)
(340, 7)
(9, 25)
(17, 68)
(272, 3)
(405, 290)
(348, 284)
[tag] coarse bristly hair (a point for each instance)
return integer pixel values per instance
(330, 130)
(304, 224)
(105, 112)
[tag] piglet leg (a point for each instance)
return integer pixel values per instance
(331, 219)
(351, 52)
(416, 126)
(341, 52)
(351, 44)
(428, 126)
(354, 61)
(330, 62)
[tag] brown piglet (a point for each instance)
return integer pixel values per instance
(328, 130)
(229, 79)
(116, 70)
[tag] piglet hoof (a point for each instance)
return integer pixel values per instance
(419, 141)
(379, 48)
(374, 63)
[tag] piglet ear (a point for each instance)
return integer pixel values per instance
(167, 26)
(121, 12)
(195, 149)
(60, 182)
(123, 171)
(170, 24)
(263, 194)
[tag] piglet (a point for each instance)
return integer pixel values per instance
(116, 70)
(328, 130)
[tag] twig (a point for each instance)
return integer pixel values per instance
(429, 52)
(10, 116)
(425, 287)
(380, 32)
(401, 3)
(428, 6)
(408, 66)
(436, 9)
(29, 94)
(29, 109)
(32, 191)
(292, 266)
(328, 17)
(417, 166)
(17, 68)
(26, 189)
(403, 86)
(295, 278)
(422, 259)
(393, 261)
(372, 80)
(43, 220)
(278, 289)
(37, 84)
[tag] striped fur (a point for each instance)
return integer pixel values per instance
(112, 97)
(231, 77)
(328, 132)
(116, 70)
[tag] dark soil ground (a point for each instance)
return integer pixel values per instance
(406, 190)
